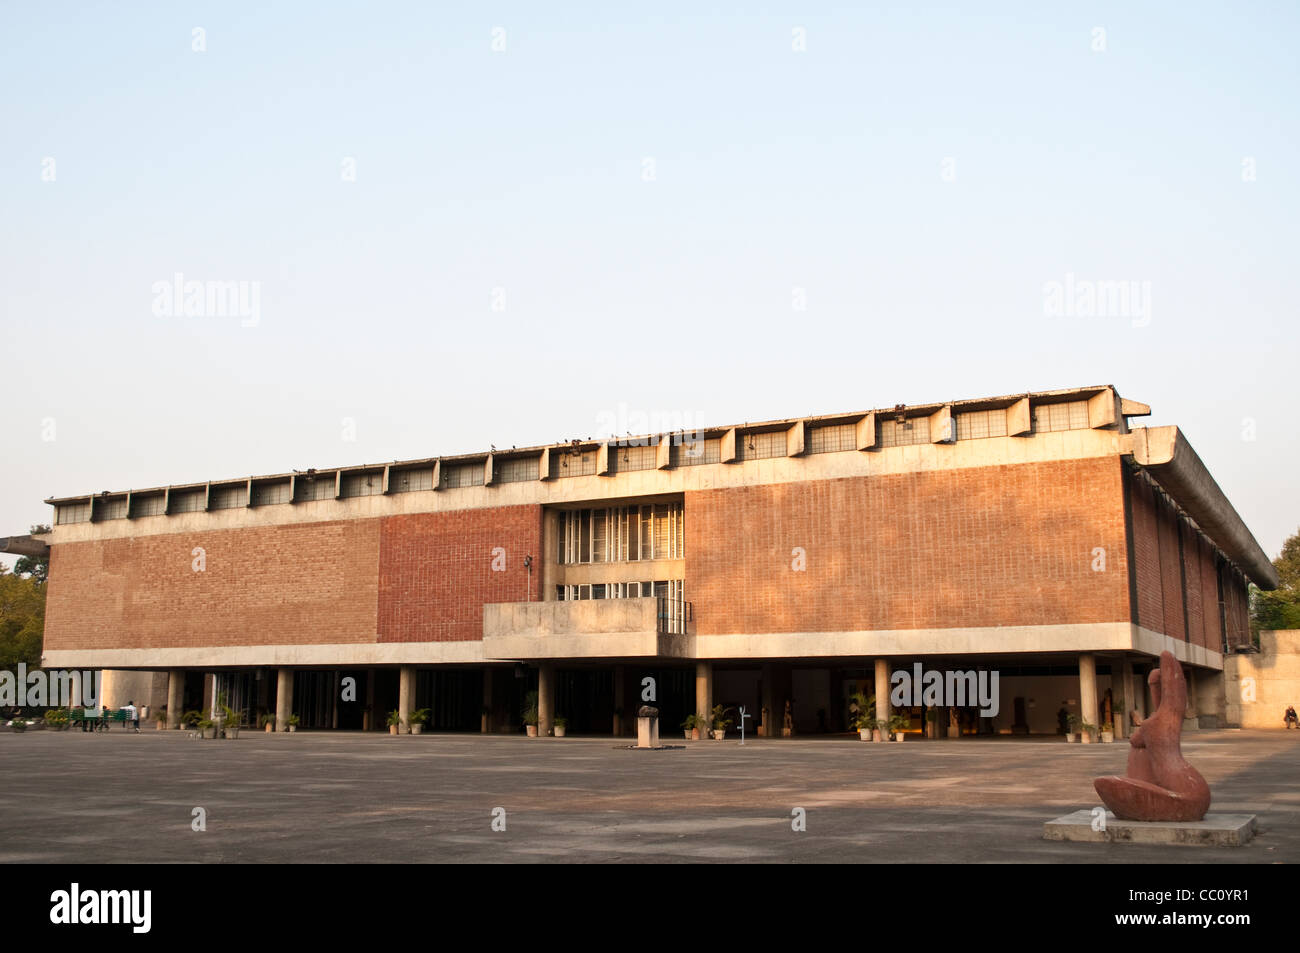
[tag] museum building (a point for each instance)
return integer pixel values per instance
(779, 565)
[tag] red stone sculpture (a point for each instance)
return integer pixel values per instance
(1159, 785)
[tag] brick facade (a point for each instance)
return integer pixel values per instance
(1007, 545)
(435, 570)
(397, 579)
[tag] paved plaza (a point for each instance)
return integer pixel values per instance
(364, 798)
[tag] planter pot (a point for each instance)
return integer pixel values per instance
(719, 734)
(1107, 737)
(688, 735)
(876, 735)
(559, 732)
(954, 732)
(532, 731)
(1071, 738)
(1085, 738)
(270, 727)
(899, 736)
(392, 729)
(160, 726)
(694, 734)
(864, 734)
(416, 729)
(209, 733)
(231, 733)
(293, 728)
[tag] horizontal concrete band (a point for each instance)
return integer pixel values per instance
(994, 640)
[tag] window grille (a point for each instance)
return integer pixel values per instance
(627, 459)
(908, 432)
(621, 534)
(462, 474)
(408, 481)
(1071, 415)
(976, 424)
(151, 505)
(266, 494)
(319, 486)
(693, 453)
(361, 484)
(516, 469)
(759, 446)
(66, 513)
(566, 463)
(228, 497)
(831, 438)
(113, 508)
(186, 501)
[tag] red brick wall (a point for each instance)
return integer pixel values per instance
(1146, 557)
(435, 570)
(1009, 545)
(295, 584)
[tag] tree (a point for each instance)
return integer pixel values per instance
(1280, 608)
(22, 620)
(38, 567)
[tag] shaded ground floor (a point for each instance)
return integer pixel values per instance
(345, 797)
(1026, 695)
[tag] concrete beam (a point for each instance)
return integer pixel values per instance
(25, 546)
(602, 460)
(663, 454)
(1165, 454)
(1020, 421)
(943, 429)
(796, 440)
(864, 432)
(728, 448)
(545, 698)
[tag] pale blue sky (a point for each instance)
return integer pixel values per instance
(523, 170)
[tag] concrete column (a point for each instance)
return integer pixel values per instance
(1128, 688)
(770, 717)
(1088, 688)
(1211, 697)
(703, 689)
(1191, 721)
(283, 698)
(620, 694)
(405, 697)
(175, 697)
(485, 724)
(882, 690)
(545, 698)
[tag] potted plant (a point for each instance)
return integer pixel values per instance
(191, 719)
(1086, 730)
(18, 723)
(692, 726)
(1107, 733)
(720, 722)
(266, 721)
(561, 724)
(230, 722)
(207, 728)
(291, 723)
(1071, 728)
(394, 721)
(56, 719)
(530, 714)
(898, 725)
(419, 718)
(160, 719)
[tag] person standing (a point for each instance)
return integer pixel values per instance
(132, 715)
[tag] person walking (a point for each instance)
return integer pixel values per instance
(132, 715)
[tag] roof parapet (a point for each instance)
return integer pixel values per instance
(1167, 456)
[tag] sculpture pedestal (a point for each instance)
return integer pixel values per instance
(1216, 830)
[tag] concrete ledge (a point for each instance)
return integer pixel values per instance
(1216, 830)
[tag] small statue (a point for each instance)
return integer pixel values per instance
(1158, 784)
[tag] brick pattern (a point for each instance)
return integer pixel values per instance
(297, 584)
(435, 570)
(1009, 545)
(1146, 557)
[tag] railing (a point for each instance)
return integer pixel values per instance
(675, 616)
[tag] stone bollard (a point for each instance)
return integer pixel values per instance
(647, 727)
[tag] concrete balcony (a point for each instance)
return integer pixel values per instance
(592, 628)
